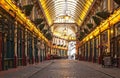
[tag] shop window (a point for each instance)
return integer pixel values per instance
(23, 2)
(104, 4)
(119, 48)
(112, 49)
(117, 29)
(0, 27)
(104, 37)
(115, 5)
(97, 44)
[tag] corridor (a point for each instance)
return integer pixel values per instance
(62, 69)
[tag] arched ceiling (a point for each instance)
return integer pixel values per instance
(66, 31)
(65, 11)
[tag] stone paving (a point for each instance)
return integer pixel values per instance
(62, 69)
(24, 71)
(71, 69)
(112, 71)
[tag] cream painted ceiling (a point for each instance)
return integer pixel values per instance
(64, 30)
(65, 15)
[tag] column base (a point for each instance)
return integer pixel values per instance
(15, 61)
(24, 62)
(118, 62)
(99, 60)
(33, 60)
(82, 58)
(93, 59)
(38, 59)
(89, 59)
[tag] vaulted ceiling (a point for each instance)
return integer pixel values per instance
(60, 13)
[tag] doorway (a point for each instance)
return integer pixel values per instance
(71, 50)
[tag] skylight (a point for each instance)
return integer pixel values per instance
(56, 10)
(64, 8)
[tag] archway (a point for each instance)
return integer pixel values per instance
(71, 50)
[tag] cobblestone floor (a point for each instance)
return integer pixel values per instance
(69, 69)
(62, 69)
(24, 71)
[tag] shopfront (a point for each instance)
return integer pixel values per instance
(6, 40)
(18, 45)
(115, 44)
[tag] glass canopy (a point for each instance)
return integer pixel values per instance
(64, 8)
(65, 12)
(57, 10)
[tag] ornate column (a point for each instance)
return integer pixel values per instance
(100, 50)
(89, 47)
(108, 47)
(33, 50)
(15, 45)
(42, 46)
(23, 47)
(93, 50)
(25, 52)
(38, 46)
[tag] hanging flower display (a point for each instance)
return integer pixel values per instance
(27, 9)
(103, 14)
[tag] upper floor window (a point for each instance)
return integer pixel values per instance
(105, 4)
(115, 5)
(104, 37)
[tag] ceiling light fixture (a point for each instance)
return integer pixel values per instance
(66, 17)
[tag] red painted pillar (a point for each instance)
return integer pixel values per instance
(15, 61)
(0, 63)
(24, 59)
(0, 51)
(99, 59)
(83, 57)
(89, 58)
(93, 60)
(118, 62)
(15, 46)
(101, 55)
(33, 60)
(15, 49)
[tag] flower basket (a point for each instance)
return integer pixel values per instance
(27, 9)
(103, 14)
(96, 20)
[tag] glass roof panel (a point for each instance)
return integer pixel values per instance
(65, 11)
(63, 8)
(76, 9)
(64, 31)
